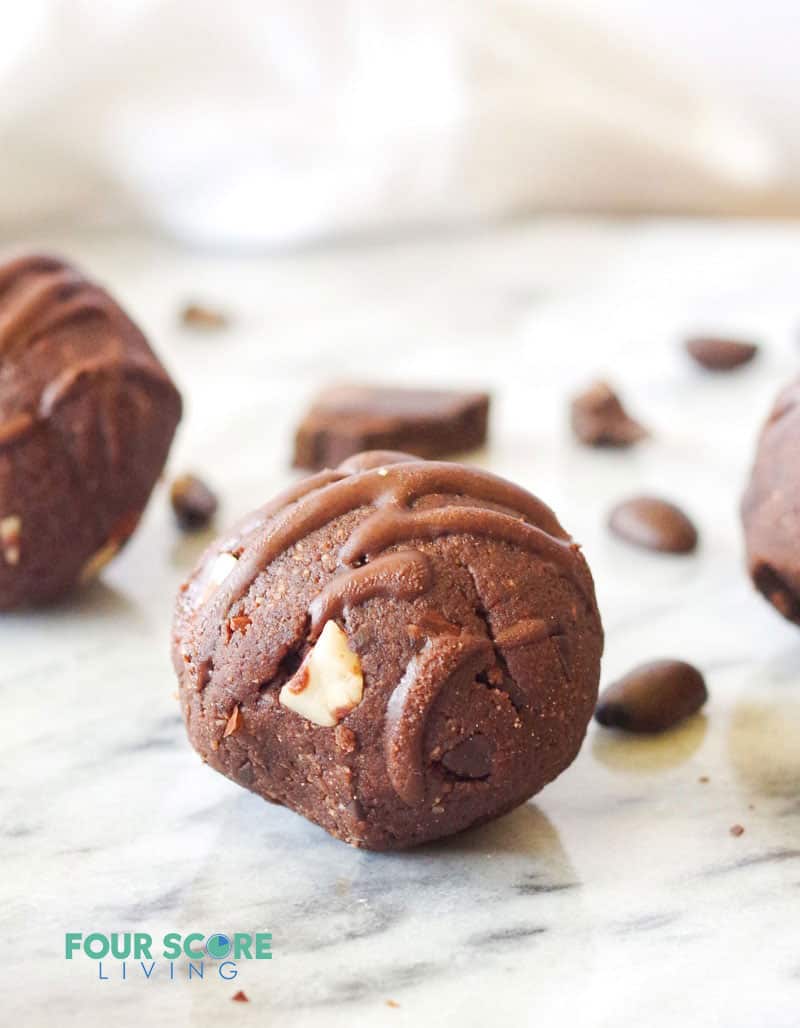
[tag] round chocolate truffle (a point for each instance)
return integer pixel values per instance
(396, 649)
(87, 415)
(771, 507)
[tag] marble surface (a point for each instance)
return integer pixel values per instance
(618, 896)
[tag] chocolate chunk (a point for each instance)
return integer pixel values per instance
(771, 507)
(425, 422)
(370, 694)
(471, 758)
(87, 417)
(197, 315)
(599, 419)
(716, 354)
(653, 524)
(653, 697)
(193, 503)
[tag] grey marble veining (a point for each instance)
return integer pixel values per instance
(617, 896)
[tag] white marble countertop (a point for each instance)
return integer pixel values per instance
(617, 896)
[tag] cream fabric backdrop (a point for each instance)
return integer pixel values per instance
(260, 123)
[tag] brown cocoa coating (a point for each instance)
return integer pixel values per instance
(473, 616)
(653, 524)
(771, 507)
(87, 415)
(653, 697)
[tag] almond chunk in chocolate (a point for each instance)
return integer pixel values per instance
(653, 697)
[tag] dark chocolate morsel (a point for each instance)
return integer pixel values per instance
(346, 419)
(87, 416)
(653, 697)
(599, 419)
(471, 758)
(716, 354)
(395, 649)
(193, 503)
(653, 524)
(771, 507)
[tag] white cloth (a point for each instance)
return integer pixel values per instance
(260, 123)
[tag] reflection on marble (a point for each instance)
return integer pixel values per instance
(617, 896)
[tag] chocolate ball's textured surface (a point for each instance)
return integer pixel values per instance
(771, 507)
(397, 649)
(87, 415)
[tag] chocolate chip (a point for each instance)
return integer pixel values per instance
(240, 997)
(599, 419)
(471, 758)
(197, 315)
(193, 502)
(653, 524)
(716, 354)
(653, 697)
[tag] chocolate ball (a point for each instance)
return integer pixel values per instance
(771, 507)
(87, 415)
(396, 649)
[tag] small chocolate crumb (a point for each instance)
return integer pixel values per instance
(599, 419)
(193, 502)
(737, 830)
(470, 758)
(240, 997)
(703, 779)
(653, 697)
(653, 524)
(199, 315)
(716, 354)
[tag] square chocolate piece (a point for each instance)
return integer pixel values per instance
(345, 419)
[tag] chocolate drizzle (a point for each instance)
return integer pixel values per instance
(389, 526)
(403, 575)
(392, 490)
(40, 296)
(527, 632)
(445, 658)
